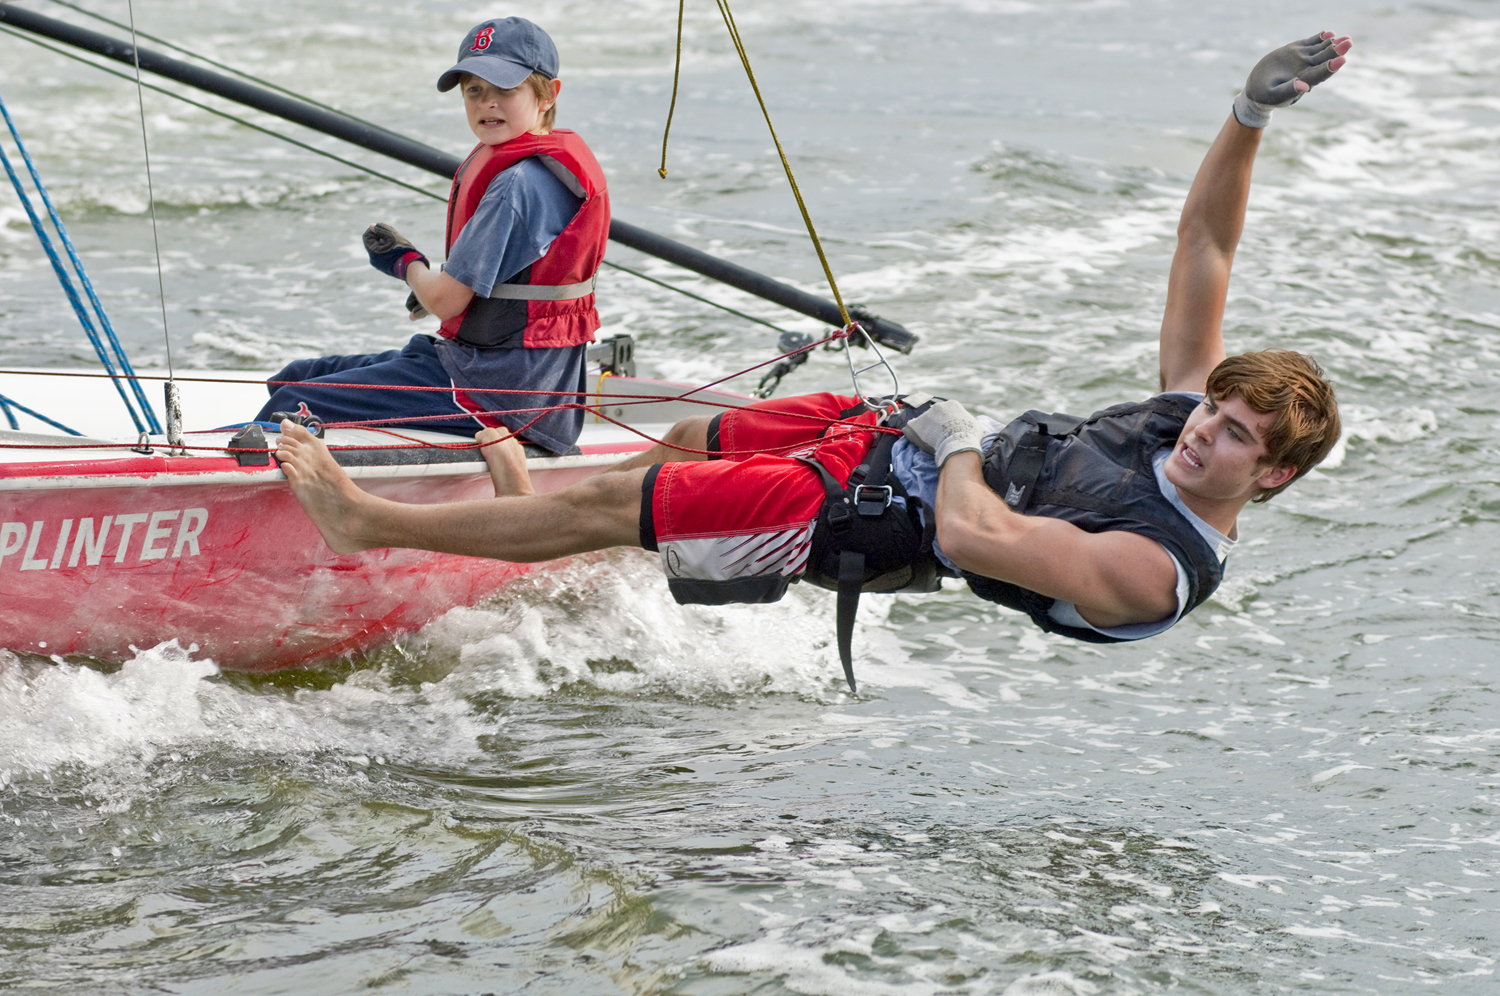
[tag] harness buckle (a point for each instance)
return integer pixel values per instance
(872, 500)
(840, 516)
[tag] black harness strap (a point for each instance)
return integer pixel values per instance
(1031, 453)
(852, 511)
(1025, 468)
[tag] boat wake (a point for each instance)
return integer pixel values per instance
(595, 629)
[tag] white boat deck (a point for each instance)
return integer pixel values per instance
(212, 400)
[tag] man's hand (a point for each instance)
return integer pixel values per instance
(943, 430)
(1283, 76)
(390, 251)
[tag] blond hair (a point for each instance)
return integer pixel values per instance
(1293, 388)
(541, 85)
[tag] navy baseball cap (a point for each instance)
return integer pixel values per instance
(504, 52)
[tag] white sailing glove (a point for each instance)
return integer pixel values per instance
(943, 430)
(1282, 77)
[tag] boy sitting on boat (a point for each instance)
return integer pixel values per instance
(528, 221)
(1104, 529)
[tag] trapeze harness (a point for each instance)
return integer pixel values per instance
(1094, 472)
(551, 302)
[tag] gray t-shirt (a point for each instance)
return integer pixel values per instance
(520, 215)
(918, 474)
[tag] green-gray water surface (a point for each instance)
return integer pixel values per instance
(581, 787)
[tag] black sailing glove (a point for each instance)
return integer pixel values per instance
(1282, 77)
(390, 251)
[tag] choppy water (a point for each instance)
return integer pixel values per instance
(584, 788)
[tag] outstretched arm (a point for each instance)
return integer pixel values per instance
(1192, 341)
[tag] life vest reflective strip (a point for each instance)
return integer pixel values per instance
(551, 302)
(1096, 473)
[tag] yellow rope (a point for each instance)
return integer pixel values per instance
(739, 46)
(676, 73)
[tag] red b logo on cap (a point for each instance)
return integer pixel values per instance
(482, 39)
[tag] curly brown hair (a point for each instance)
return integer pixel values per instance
(1293, 388)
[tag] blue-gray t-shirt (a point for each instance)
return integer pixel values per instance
(519, 216)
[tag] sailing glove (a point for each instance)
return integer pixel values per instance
(1273, 81)
(390, 251)
(943, 430)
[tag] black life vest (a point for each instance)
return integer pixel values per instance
(1096, 473)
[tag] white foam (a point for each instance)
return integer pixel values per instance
(70, 714)
(804, 970)
(614, 610)
(163, 704)
(1050, 984)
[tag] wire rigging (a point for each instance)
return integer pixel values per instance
(850, 326)
(812, 232)
(135, 53)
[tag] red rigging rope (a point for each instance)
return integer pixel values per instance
(850, 429)
(614, 400)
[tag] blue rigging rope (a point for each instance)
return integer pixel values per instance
(8, 403)
(67, 284)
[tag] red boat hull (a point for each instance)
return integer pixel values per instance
(103, 549)
(237, 569)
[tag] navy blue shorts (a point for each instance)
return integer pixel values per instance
(415, 365)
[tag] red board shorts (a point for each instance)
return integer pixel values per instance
(738, 526)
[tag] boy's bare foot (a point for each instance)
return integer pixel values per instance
(325, 492)
(506, 459)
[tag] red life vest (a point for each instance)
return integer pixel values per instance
(551, 302)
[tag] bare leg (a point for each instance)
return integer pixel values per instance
(687, 435)
(600, 512)
(506, 459)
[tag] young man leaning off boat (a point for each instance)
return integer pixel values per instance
(1104, 529)
(528, 221)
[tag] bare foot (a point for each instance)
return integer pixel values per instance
(325, 492)
(506, 459)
